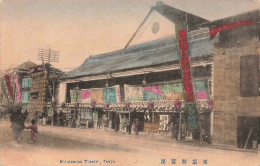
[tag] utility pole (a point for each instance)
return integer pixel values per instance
(48, 55)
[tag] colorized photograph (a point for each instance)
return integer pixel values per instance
(129, 83)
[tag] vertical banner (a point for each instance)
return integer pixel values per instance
(9, 85)
(75, 95)
(172, 91)
(96, 95)
(152, 92)
(190, 105)
(85, 96)
(17, 88)
(133, 93)
(185, 66)
(109, 95)
(118, 93)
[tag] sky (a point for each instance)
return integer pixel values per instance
(80, 28)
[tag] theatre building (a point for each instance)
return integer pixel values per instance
(148, 80)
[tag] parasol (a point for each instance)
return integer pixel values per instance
(13, 108)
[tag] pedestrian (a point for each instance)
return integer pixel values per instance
(40, 118)
(106, 123)
(175, 131)
(117, 122)
(124, 124)
(17, 118)
(1, 116)
(171, 129)
(129, 127)
(44, 120)
(136, 126)
(34, 131)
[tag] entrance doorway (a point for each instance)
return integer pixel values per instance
(248, 132)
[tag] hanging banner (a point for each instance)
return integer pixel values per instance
(149, 96)
(185, 66)
(215, 30)
(95, 116)
(9, 85)
(153, 88)
(201, 85)
(133, 93)
(193, 122)
(3, 88)
(118, 93)
(109, 95)
(96, 95)
(26, 83)
(75, 95)
(18, 98)
(85, 96)
(25, 97)
(201, 95)
(170, 88)
(172, 96)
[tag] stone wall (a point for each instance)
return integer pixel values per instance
(228, 104)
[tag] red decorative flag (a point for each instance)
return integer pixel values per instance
(9, 85)
(185, 66)
(215, 30)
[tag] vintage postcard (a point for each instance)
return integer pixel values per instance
(129, 82)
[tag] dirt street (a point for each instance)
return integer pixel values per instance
(87, 147)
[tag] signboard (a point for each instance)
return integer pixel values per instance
(163, 121)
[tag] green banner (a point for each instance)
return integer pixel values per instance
(201, 85)
(172, 88)
(75, 96)
(95, 116)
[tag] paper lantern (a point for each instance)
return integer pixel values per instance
(106, 106)
(127, 105)
(177, 104)
(93, 103)
(150, 105)
(210, 103)
(76, 105)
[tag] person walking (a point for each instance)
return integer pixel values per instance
(17, 118)
(129, 127)
(175, 131)
(34, 131)
(171, 129)
(117, 122)
(44, 120)
(1, 116)
(124, 124)
(136, 126)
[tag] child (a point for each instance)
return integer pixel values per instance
(34, 131)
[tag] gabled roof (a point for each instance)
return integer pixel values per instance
(178, 16)
(26, 65)
(52, 70)
(139, 56)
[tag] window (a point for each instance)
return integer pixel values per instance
(249, 75)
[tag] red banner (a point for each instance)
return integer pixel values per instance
(185, 66)
(215, 30)
(9, 85)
